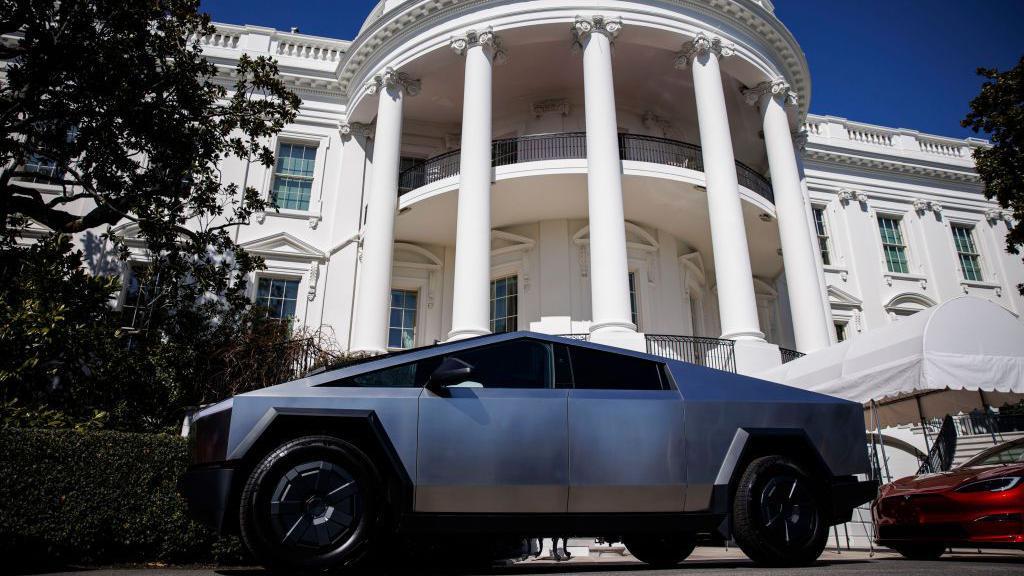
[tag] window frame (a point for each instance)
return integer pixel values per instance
(665, 379)
(416, 314)
(979, 265)
(635, 299)
(550, 384)
(491, 300)
(823, 232)
(122, 300)
(265, 275)
(905, 245)
(322, 144)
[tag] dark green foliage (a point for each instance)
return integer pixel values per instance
(136, 123)
(999, 112)
(71, 497)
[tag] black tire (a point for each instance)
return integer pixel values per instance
(921, 551)
(780, 513)
(661, 550)
(312, 503)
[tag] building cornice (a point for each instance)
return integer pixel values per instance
(835, 140)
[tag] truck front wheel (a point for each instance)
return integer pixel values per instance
(311, 503)
(780, 513)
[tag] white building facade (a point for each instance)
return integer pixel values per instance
(642, 173)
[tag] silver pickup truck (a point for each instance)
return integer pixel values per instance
(525, 435)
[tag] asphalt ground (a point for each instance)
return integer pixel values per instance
(704, 561)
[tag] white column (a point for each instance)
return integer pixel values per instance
(799, 146)
(810, 325)
(373, 297)
(737, 304)
(609, 270)
(471, 300)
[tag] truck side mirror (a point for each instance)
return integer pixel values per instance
(451, 371)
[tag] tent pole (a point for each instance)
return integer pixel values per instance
(924, 426)
(988, 417)
(881, 439)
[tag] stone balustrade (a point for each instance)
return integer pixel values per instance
(840, 132)
(256, 39)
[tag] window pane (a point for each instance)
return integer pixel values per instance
(402, 322)
(892, 245)
(519, 364)
(402, 376)
(635, 316)
(279, 296)
(504, 305)
(597, 370)
(822, 230)
(970, 262)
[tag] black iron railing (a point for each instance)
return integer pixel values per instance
(711, 352)
(940, 457)
(573, 146)
(790, 355)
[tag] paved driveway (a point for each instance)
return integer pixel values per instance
(704, 561)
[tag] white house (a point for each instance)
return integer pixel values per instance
(644, 173)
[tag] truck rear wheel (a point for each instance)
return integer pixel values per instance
(311, 503)
(661, 550)
(780, 513)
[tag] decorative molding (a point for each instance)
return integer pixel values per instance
(314, 221)
(551, 106)
(314, 276)
(349, 129)
(921, 206)
(845, 157)
(777, 88)
(700, 45)
(597, 24)
(283, 245)
(260, 217)
(390, 78)
(994, 215)
(486, 37)
(846, 196)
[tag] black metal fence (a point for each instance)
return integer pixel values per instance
(940, 457)
(790, 355)
(573, 146)
(711, 352)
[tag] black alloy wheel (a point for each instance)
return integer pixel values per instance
(315, 504)
(779, 513)
(310, 504)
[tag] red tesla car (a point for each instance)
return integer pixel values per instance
(980, 505)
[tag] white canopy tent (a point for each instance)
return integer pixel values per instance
(962, 355)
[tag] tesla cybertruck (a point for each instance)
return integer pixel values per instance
(526, 435)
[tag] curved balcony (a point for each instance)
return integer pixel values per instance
(573, 146)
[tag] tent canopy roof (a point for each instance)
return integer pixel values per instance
(953, 357)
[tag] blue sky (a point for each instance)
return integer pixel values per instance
(900, 63)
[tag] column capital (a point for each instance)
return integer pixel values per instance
(462, 43)
(391, 78)
(777, 88)
(349, 129)
(597, 24)
(700, 45)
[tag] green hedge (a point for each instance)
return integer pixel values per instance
(98, 497)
